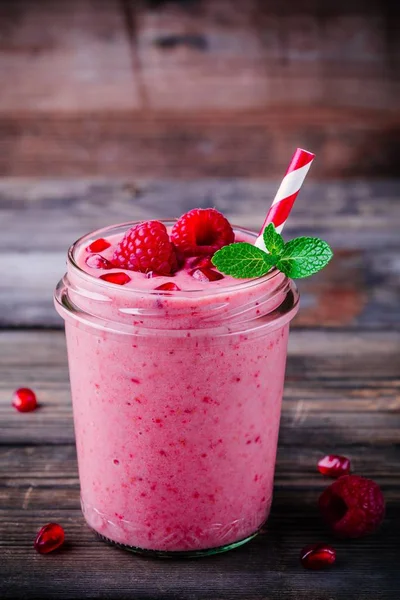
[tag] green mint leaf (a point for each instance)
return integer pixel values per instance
(273, 240)
(243, 260)
(303, 256)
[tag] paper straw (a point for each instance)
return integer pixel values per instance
(287, 192)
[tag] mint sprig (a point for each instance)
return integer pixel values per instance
(273, 240)
(303, 257)
(297, 258)
(242, 260)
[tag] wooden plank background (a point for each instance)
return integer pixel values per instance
(193, 88)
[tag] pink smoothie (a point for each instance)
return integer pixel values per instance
(177, 400)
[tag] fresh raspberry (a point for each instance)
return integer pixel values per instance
(202, 231)
(352, 506)
(146, 247)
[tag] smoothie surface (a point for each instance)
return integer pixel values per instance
(142, 281)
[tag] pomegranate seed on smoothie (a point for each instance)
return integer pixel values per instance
(177, 358)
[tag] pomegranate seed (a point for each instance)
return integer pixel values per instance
(334, 466)
(201, 261)
(98, 245)
(24, 400)
(118, 278)
(317, 556)
(168, 287)
(205, 274)
(49, 538)
(152, 274)
(96, 261)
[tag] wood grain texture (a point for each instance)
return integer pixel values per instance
(267, 569)
(198, 88)
(231, 54)
(350, 142)
(360, 288)
(342, 394)
(65, 57)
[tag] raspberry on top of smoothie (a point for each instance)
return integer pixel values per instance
(149, 248)
(202, 232)
(146, 247)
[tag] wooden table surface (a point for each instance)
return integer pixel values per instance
(341, 394)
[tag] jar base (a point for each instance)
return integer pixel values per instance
(178, 553)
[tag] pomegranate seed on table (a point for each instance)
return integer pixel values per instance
(334, 465)
(117, 278)
(49, 538)
(96, 261)
(98, 245)
(168, 287)
(24, 400)
(205, 274)
(317, 556)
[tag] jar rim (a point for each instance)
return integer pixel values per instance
(193, 293)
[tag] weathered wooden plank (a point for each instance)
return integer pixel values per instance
(207, 88)
(223, 143)
(40, 219)
(65, 57)
(342, 387)
(228, 53)
(266, 569)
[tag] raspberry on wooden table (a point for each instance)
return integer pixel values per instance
(352, 506)
(202, 231)
(146, 247)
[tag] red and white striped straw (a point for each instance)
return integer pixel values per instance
(287, 192)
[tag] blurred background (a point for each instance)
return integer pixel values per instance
(194, 88)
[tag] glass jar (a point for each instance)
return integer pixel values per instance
(177, 401)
